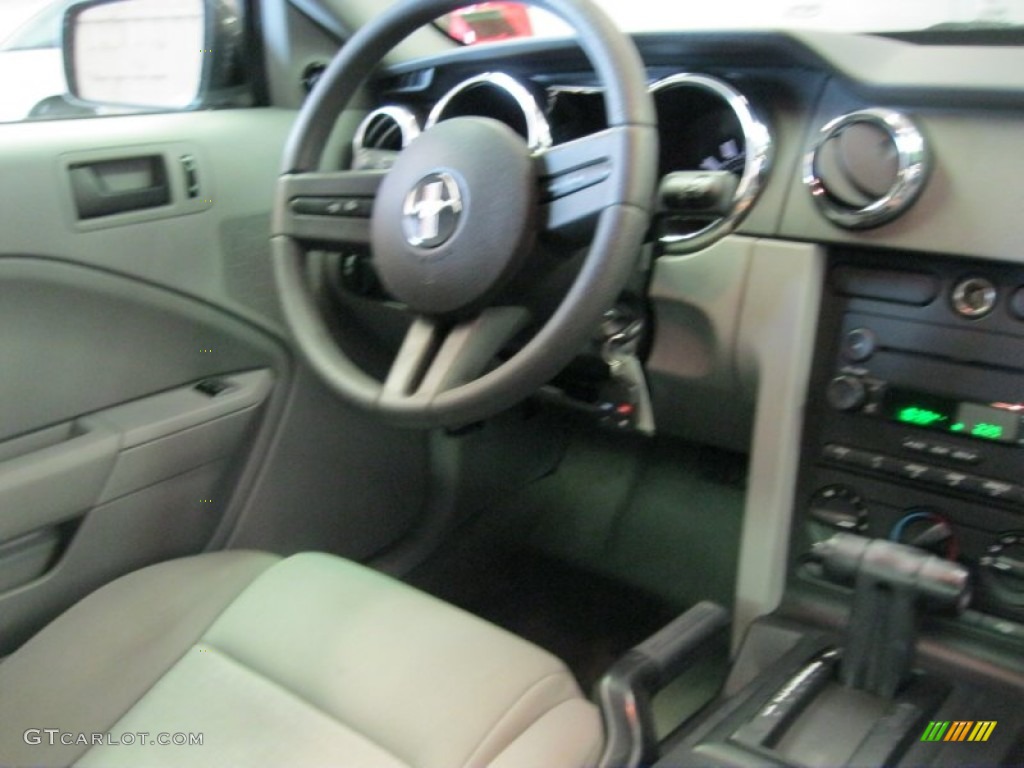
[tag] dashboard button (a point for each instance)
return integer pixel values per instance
(995, 489)
(941, 451)
(917, 446)
(859, 344)
(836, 452)
(974, 297)
(1017, 303)
(965, 456)
(876, 462)
(912, 470)
(953, 479)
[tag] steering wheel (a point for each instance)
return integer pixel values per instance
(453, 220)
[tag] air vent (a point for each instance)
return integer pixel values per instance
(867, 168)
(382, 135)
(311, 75)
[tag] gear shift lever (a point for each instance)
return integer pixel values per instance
(892, 582)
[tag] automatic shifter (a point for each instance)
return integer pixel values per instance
(892, 584)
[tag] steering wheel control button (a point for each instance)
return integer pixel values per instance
(348, 207)
(846, 393)
(859, 345)
(431, 212)
(974, 297)
(574, 181)
(454, 218)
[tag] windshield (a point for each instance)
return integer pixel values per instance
(495, 21)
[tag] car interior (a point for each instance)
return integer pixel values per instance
(606, 399)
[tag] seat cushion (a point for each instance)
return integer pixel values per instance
(312, 660)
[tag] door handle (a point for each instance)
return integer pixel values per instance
(106, 187)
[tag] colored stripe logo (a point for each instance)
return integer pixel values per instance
(959, 730)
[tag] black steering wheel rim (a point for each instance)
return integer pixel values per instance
(610, 175)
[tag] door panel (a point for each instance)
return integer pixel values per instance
(109, 458)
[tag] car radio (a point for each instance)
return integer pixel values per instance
(915, 417)
(992, 422)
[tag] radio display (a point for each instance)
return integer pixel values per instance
(1000, 423)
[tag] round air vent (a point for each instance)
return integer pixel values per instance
(382, 135)
(867, 168)
(500, 96)
(311, 75)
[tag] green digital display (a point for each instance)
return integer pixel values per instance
(1001, 424)
(922, 417)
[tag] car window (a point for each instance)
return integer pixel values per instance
(42, 30)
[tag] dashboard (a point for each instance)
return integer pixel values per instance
(836, 242)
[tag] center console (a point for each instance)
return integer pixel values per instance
(915, 421)
(900, 640)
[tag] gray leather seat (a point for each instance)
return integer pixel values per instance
(307, 661)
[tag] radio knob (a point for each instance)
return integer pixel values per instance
(846, 393)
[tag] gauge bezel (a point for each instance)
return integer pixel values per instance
(758, 145)
(538, 130)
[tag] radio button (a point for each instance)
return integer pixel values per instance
(859, 344)
(876, 462)
(836, 452)
(941, 451)
(913, 471)
(917, 446)
(958, 480)
(965, 456)
(996, 489)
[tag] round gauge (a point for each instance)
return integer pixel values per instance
(497, 95)
(714, 155)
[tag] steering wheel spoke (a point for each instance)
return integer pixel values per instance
(326, 207)
(580, 178)
(436, 357)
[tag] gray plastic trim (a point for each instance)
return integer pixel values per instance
(152, 418)
(56, 483)
(120, 450)
(775, 346)
(177, 431)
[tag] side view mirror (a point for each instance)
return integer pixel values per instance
(143, 54)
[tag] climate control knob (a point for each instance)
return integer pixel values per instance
(846, 393)
(836, 508)
(926, 529)
(1001, 574)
